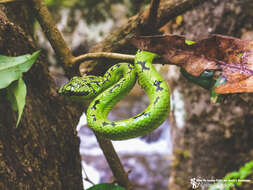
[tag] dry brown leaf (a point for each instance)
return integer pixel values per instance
(232, 56)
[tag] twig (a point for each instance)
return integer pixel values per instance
(52, 33)
(86, 178)
(9, 1)
(114, 162)
(99, 55)
(109, 55)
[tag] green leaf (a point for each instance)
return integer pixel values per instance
(189, 42)
(11, 68)
(205, 80)
(248, 166)
(240, 54)
(106, 186)
(232, 175)
(243, 172)
(214, 96)
(246, 170)
(16, 95)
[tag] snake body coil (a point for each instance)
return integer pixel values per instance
(115, 84)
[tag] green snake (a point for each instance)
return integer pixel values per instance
(106, 91)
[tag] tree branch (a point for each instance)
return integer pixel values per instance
(150, 21)
(171, 9)
(114, 162)
(153, 11)
(52, 33)
(99, 55)
(108, 55)
(119, 40)
(8, 1)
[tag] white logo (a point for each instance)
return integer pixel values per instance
(195, 183)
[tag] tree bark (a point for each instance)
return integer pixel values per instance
(43, 152)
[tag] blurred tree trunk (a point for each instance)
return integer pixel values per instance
(43, 152)
(214, 139)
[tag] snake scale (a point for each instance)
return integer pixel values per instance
(106, 91)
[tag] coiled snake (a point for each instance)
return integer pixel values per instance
(106, 91)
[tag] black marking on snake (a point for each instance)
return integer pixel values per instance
(83, 93)
(130, 66)
(75, 93)
(142, 114)
(94, 117)
(115, 86)
(106, 123)
(108, 75)
(96, 82)
(156, 100)
(89, 85)
(95, 104)
(68, 93)
(157, 83)
(143, 65)
(91, 78)
(117, 65)
(112, 68)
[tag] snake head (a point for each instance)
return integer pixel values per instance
(82, 88)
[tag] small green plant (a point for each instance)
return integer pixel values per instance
(11, 70)
(233, 179)
(106, 186)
